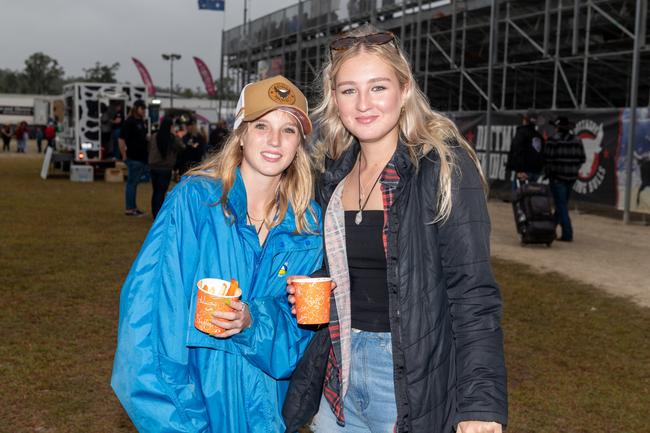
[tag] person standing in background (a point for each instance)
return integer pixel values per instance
(21, 137)
(116, 125)
(38, 135)
(163, 148)
(50, 134)
(195, 147)
(217, 137)
(106, 127)
(564, 154)
(133, 149)
(5, 132)
(525, 158)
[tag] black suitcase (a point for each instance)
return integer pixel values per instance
(533, 208)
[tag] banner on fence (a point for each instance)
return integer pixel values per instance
(604, 136)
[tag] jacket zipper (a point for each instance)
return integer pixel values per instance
(261, 256)
(395, 325)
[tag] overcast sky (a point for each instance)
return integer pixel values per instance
(78, 33)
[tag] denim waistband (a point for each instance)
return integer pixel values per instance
(371, 335)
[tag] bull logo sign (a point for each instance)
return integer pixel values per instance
(592, 173)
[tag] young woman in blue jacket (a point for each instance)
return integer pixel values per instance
(245, 213)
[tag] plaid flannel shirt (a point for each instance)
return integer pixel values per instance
(338, 363)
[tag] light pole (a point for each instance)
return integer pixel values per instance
(171, 57)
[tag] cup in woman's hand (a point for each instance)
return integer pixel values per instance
(212, 296)
(312, 300)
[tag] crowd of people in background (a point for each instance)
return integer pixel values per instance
(180, 145)
(559, 159)
(22, 133)
(176, 147)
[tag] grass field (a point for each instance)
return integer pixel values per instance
(578, 361)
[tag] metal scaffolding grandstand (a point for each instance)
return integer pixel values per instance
(546, 54)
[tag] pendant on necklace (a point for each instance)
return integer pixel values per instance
(358, 218)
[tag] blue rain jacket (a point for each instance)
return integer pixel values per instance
(171, 377)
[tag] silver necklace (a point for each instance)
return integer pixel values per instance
(251, 221)
(359, 216)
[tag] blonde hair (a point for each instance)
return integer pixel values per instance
(295, 187)
(421, 129)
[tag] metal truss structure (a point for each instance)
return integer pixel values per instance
(546, 54)
(471, 55)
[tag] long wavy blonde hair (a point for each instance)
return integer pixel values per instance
(421, 129)
(295, 188)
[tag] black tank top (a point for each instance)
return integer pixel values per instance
(367, 266)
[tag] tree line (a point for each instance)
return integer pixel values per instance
(42, 75)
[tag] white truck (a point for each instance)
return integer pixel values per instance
(86, 106)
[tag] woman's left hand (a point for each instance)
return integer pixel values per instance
(479, 427)
(233, 322)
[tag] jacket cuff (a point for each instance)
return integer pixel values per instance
(481, 416)
(246, 337)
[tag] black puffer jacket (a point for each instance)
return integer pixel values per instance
(445, 306)
(523, 156)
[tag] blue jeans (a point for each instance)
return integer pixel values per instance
(561, 191)
(369, 405)
(136, 170)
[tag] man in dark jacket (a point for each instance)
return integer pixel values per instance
(564, 154)
(525, 156)
(444, 306)
(133, 148)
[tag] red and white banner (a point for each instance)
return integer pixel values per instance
(146, 78)
(205, 74)
(604, 136)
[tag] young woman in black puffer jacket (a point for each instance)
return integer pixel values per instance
(414, 342)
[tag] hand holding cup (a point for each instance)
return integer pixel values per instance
(232, 322)
(310, 298)
(219, 312)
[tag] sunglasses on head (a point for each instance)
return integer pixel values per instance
(347, 42)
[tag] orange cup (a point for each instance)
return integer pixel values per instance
(209, 300)
(312, 300)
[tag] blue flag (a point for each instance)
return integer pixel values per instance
(215, 5)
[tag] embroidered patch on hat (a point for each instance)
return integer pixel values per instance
(283, 270)
(281, 94)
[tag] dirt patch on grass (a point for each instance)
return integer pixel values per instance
(605, 252)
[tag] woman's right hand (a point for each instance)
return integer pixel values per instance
(291, 291)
